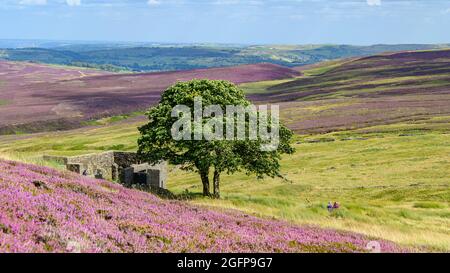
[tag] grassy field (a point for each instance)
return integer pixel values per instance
(3, 102)
(392, 180)
(392, 187)
(322, 67)
(261, 87)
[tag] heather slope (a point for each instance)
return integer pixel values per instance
(43, 210)
(356, 93)
(405, 73)
(39, 97)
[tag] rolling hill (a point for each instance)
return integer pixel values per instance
(380, 89)
(38, 97)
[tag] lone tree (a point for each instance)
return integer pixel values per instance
(193, 150)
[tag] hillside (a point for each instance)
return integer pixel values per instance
(42, 210)
(37, 97)
(380, 89)
(420, 72)
(392, 180)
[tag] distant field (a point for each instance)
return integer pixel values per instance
(410, 73)
(322, 67)
(261, 87)
(54, 98)
(174, 57)
(349, 94)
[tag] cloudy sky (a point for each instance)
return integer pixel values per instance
(229, 21)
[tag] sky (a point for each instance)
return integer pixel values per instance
(358, 22)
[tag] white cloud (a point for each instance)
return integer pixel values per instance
(73, 2)
(33, 2)
(153, 2)
(374, 2)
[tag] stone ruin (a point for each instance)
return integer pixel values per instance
(122, 167)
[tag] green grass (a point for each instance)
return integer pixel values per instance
(261, 87)
(393, 187)
(113, 119)
(76, 142)
(3, 102)
(390, 186)
(323, 67)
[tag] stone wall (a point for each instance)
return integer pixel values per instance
(75, 168)
(124, 159)
(123, 167)
(58, 159)
(152, 176)
(96, 165)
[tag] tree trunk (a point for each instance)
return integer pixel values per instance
(216, 184)
(205, 181)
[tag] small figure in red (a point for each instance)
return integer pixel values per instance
(336, 205)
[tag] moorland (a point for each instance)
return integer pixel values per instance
(372, 133)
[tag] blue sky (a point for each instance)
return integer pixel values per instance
(229, 21)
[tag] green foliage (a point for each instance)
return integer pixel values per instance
(113, 119)
(105, 67)
(156, 142)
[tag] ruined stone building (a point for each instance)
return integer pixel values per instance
(122, 167)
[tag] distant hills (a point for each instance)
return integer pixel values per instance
(153, 57)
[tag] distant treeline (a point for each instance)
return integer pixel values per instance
(168, 58)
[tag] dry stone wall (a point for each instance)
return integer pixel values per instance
(124, 167)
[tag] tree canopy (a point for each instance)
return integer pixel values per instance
(217, 155)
